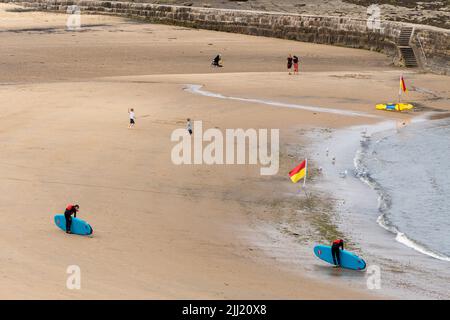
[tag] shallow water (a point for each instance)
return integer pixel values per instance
(394, 202)
(411, 169)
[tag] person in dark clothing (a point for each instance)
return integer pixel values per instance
(216, 61)
(70, 210)
(337, 244)
(189, 126)
(295, 61)
(289, 63)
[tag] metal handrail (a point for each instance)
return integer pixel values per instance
(421, 48)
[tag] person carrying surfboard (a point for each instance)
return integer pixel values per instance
(335, 253)
(70, 210)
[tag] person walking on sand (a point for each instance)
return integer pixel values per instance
(295, 61)
(289, 63)
(189, 126)
(70, 210)
(335, 252)
(132, 118)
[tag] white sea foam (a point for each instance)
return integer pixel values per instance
(403, 239)
(384, 205)
(197, 89)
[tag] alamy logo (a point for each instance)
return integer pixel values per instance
(373, 277)
(74, 279)
(237, 146)
(374, 17)
(74, 20)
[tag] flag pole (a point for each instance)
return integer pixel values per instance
(306, 172)
(304, 179)
(400, 89)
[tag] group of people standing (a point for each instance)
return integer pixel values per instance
(292, 66)
(292, 61)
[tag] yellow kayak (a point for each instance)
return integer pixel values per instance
(394, 106)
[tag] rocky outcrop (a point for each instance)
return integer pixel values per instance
(432, 45)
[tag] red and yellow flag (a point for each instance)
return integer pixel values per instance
(402, 84)
(299, 172)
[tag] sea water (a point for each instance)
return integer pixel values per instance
(391, 183)
(411, 170)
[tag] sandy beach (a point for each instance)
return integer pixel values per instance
(162, 230)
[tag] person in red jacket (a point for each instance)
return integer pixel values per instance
(335, 252)
(295, 61)
(70, 210)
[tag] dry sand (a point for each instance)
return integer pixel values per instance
(160, 230)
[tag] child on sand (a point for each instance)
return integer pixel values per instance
(189, 126)
(132, 118)
(289, 63)
(295, 60)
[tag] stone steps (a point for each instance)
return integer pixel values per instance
(407, 53)
(405, 36)
(409, 57)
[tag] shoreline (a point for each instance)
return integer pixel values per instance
(298, 222)
(383, 203)
(372, 234)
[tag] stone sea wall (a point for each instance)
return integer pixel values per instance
(431, 45)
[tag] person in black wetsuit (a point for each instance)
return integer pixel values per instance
(70, 210)
(335, 252)
(216, 61)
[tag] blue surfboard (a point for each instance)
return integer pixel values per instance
(348, 260)
(78, 226)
